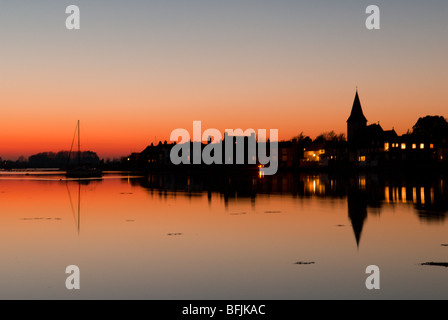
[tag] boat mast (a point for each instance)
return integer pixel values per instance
(79, 146)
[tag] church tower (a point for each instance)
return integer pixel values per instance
(357, 122)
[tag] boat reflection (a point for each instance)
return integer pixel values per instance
(70, 184)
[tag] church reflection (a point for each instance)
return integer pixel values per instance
(366, 193)
(357, 209)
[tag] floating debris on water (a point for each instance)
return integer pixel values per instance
(272, 211)
(444, 245)
(340, 225)
(437, 264)
(174, 234)
(237, 213)
(40, 218)
(302, 262)
(126, 193)
(129, 220)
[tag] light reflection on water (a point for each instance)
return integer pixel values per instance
(244, 237)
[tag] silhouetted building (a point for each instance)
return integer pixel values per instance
(288, 155)
(371, 146)
(357, 122)
(367, 145)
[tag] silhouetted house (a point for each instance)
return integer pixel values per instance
(411, 149)
(153, 156)
(288, 154)
(325, 152)
(243, 147)
(442, 154)
(234, 151)
(314, 155)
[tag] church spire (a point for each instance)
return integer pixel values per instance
(357, 115)
(357, 122)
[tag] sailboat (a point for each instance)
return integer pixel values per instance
(82, 171)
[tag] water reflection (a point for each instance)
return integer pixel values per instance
(357, 210)
(366, 193)
(241, 236)
(76, 198)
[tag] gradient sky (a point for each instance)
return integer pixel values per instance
(139, 69)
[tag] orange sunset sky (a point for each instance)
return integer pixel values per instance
(137, 70)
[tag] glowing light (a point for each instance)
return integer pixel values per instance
(414, 195)
(260, 171)
(362, 182)
(403, 194)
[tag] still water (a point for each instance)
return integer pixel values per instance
(170, 237)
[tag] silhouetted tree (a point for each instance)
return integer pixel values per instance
(22, 159)
(303, 140)
(330, 137)
(61, 159)
(431, 127)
